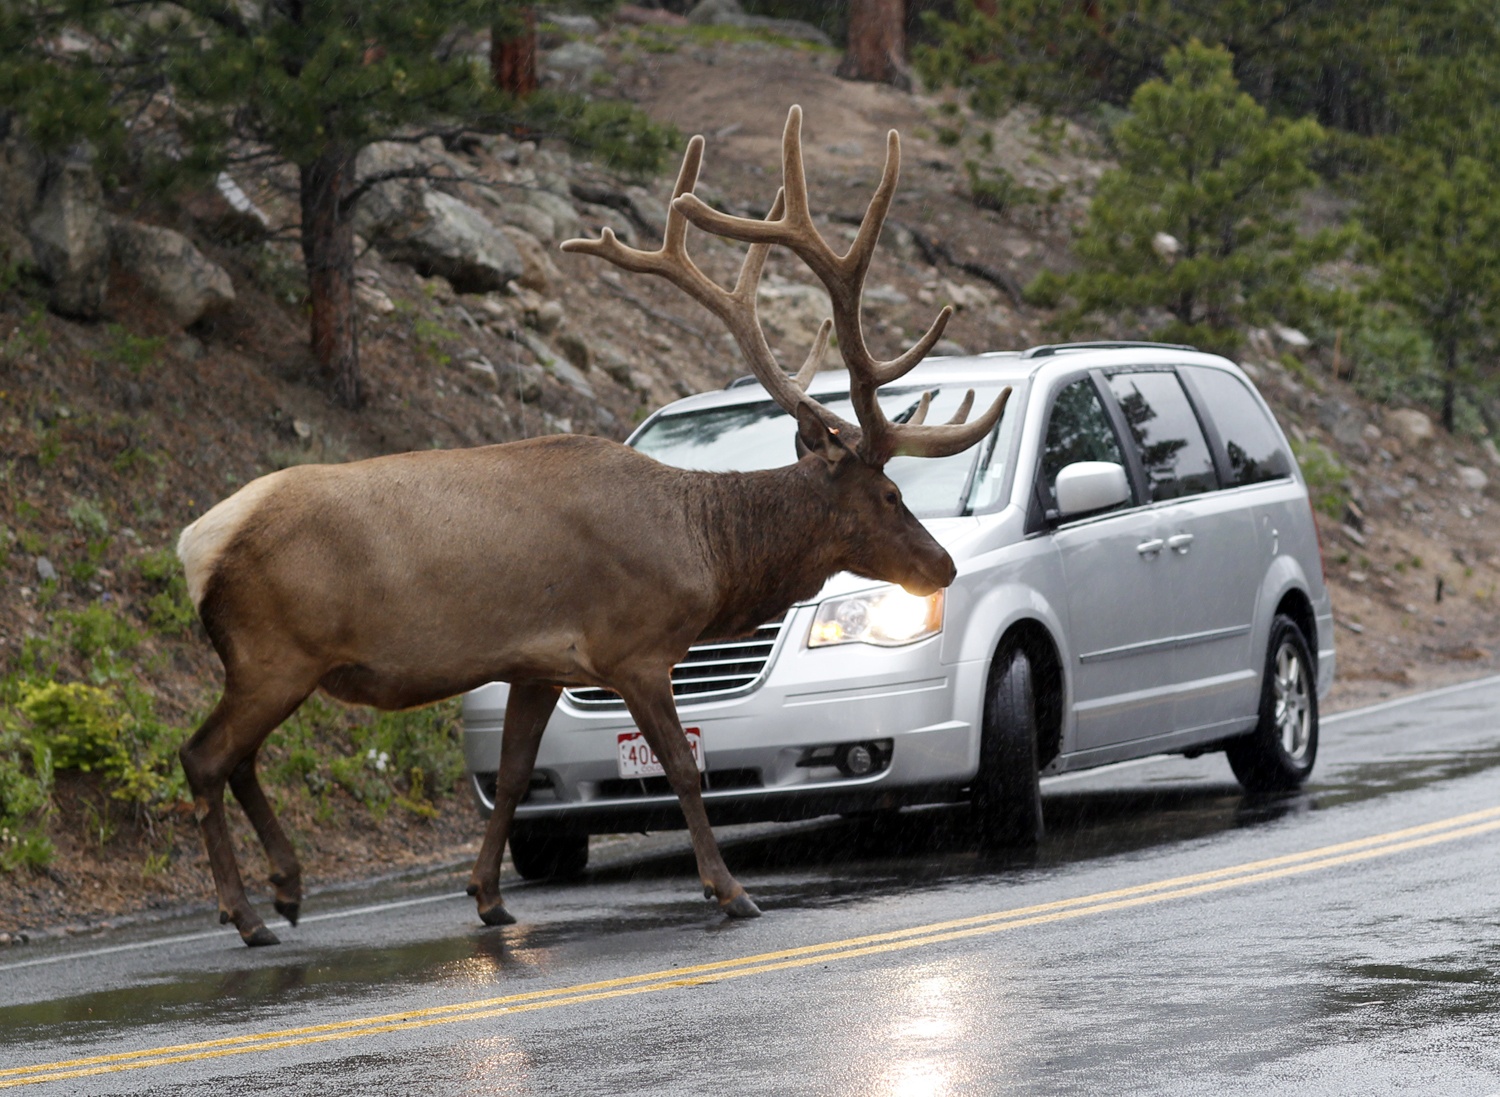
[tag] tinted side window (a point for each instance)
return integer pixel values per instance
(1251, 440)
(1166, 434)
(1079, 430)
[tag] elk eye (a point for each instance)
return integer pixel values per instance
(892, 498)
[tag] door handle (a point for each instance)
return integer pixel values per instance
(1151, 547)
(1179, 543)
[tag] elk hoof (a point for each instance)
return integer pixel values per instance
(497, 915)
(259, 936)
(741, 906)
(290, 911)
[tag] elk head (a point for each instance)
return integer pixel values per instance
(879, 536)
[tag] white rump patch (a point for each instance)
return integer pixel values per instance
(203, 541)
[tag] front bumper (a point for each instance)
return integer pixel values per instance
(757, 746)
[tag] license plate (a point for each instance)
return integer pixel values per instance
(637, 759)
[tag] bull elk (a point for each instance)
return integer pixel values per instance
(563, 561)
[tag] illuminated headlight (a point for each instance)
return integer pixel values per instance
(888, 617)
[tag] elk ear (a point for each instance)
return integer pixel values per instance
(815, 437)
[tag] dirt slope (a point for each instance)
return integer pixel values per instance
(153, 443)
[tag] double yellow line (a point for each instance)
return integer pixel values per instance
(1180, 887)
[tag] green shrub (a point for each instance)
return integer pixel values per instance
(1327, 478)
(80, 725)
(169, 609)
(995, 188)
(1046, 290)
(87, 518)
(112, 731)
(134, 352)
(99, 633)
(25, 800)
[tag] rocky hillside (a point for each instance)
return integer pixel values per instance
(184, 373)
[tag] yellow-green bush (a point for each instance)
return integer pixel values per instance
(80, 725)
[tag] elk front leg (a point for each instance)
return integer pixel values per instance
(526, 714)
(650, 703)
(286, 870)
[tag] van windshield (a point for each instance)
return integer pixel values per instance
(748, 437)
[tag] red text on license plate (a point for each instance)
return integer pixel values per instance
(637, 759)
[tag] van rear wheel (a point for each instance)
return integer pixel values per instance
(1007, 796)
(540, 850)
(1278, 755)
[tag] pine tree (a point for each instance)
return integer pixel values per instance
(1432, 203)
(309, 84)
(1330, 58)
(1198, 219)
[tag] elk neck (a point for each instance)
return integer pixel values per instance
(771, 538)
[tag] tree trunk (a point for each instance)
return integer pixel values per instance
(328, 253)
(513, 53)
(1450, 385)
(877, 43)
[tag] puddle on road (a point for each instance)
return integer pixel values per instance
(1364, 998)
(1405, 773)
(483, 961)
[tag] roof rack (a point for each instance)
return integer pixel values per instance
(1046, 350)
(742, 381)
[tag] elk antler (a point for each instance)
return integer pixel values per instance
(844, 277)
(736, 307)
(790, 224)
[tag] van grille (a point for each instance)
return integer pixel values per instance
(715, 669)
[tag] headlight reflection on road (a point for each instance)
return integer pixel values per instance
(922, 1046)
(496, 957)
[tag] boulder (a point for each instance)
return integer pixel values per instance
(575, 63)
(1291, 337)
(565, 221)
(1472, 478)
(1412, 428)
(538, 272)
(530, 220)
(437, 234)
(69, 235)
(793, 311)
(171, 269)
(575, 348)
(572, 24)
(381, 157)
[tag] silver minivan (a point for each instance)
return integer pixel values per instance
(1138, 572)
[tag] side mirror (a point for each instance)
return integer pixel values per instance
(1086, 486)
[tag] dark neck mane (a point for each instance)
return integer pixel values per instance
(769, 539)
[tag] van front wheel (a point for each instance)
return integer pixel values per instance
(539, 850)
(1007, 795)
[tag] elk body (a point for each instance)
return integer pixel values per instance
(401, 580)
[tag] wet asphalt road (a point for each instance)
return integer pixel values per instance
(1170, 937)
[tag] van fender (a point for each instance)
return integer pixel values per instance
(987, 619)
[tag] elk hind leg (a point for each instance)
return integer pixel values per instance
(526, 714)
(651, 705)
(232, 734)
(286, 870)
